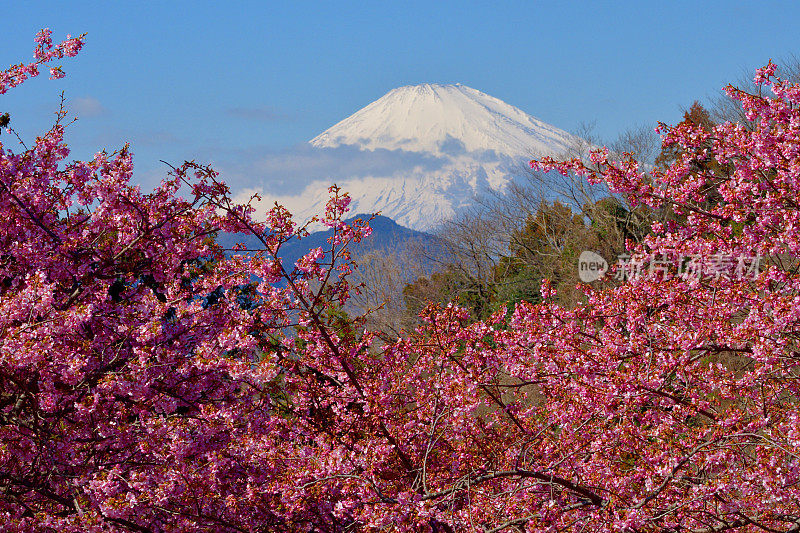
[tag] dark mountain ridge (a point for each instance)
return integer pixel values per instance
(387, 237)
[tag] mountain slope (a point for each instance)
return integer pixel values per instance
(443, 119)
(386, 236)
(448, 144)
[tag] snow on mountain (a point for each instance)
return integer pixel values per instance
(433, 117)
(479, 144)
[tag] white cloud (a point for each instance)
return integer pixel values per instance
(289, 172)
(87, 107)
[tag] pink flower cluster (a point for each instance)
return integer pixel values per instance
(152, 383)
(44, 52)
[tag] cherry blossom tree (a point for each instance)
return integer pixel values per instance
(668, 403)
(151, 382)
(148, 382)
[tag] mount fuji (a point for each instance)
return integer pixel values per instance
(457, 141)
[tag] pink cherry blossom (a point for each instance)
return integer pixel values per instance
(151, 382)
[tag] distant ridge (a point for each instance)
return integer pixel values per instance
(386, 235)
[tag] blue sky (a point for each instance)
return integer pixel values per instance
(222, 82)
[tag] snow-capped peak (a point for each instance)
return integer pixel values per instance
(445, 119)
(445, 145)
